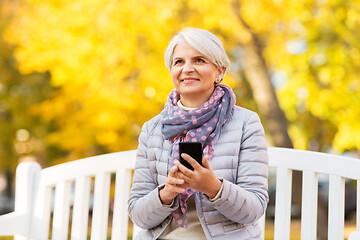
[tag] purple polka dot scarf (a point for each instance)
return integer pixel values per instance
(199, 125)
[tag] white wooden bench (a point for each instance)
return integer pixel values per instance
(39, 214)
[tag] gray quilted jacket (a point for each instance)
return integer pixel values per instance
(240, 161)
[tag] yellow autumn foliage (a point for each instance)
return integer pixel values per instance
(106, 62)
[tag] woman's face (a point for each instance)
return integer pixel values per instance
(193, 75)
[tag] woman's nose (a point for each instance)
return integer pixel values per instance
(188, 67)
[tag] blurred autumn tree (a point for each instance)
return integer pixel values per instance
(318, 72)
(106, 64)
(22, 133)
(106, 60)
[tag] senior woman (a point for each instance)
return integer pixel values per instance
(223, 197)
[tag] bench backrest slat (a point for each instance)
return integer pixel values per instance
(40, 220)
(81, 208)
(283, 203)
(336, 207)
(61, 211)
(309, 205)
(101, 206)
(122, 192)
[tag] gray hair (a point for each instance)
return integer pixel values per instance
(203, 41)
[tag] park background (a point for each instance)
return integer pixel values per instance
(80, 77)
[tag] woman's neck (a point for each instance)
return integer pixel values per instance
(180, 105)
(194, 101)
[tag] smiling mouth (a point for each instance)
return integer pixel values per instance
(189, 80)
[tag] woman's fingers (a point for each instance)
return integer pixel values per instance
(173, 186)
(205, 162)
(174, 181)
(191, 161)
(184, 177)
(201, 179)
(173, 170)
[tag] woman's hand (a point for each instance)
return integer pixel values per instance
(202, 178)
(173, 186)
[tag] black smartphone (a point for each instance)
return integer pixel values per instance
(194, 149)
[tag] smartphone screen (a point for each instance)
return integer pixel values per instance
(194, 149)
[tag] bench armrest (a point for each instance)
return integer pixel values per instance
(12, 223)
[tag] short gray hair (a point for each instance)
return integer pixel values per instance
(203, 41)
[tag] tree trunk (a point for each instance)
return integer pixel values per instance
(275, 122)
(256, 73)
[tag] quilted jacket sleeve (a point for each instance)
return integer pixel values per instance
(144, 205)
(246, 201)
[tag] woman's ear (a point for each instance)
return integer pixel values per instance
(220, 75)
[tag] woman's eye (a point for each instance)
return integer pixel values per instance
(177, 62)
(200, 60)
